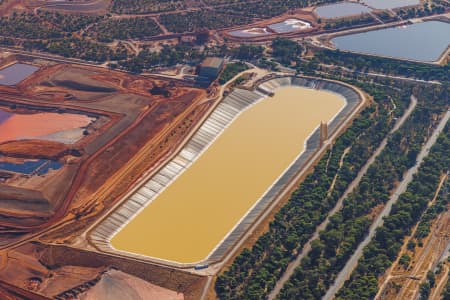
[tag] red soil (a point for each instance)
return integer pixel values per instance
(33, 149)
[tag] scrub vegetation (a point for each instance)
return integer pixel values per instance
(384, 248)
(424, 227)
(145, 6)
(43, 25)
(366, 63)
(124, 29)
(286, 51)
(231, 70)
(255, 271)
(198, 20)
(346, 23)
(349, 226)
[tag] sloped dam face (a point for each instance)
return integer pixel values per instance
(190, 217)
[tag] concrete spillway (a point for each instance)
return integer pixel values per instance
(224, 114)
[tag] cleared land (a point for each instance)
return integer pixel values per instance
(75, 117)
(53, 190)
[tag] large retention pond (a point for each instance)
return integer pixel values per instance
(419, 42)
(16, 73)
(341, 10)
(196, 211)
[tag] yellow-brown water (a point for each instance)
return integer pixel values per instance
(190, 218)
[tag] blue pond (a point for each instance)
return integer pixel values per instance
(4, 116)
(420, 42)
(16, 73)
(38, 167)
(341, 10)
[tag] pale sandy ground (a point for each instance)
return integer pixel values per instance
(116, 285)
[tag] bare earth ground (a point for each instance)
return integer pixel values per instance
(133, 131)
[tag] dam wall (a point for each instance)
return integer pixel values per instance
(229, 109)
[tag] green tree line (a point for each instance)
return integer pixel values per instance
(384, 248)
(348, 227)
(255, 271)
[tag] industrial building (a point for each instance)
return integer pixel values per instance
(211, 67)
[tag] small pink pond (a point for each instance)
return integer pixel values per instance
(31, 126)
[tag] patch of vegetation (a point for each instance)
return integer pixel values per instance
(77, 48)
(125, 29)
(384, 248)
(43, 25)
(404, 260)
(160, 90)
(286, 51)
(436, 7)
(168, 56)
(348, 227)
(145, 6)
(199, 20)
(366, 63)
(348, 23)
(425, 288)
(246, 52)
(231, 70)
(423, 229)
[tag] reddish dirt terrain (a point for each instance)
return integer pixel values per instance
(130, 125)
(33, 149)
(119, 116)
(64, 273)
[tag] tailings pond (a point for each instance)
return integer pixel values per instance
(419, 42)
(196, 211)
(16, 73)
(59, 127)
(30, 166)
(290, 25)
(252, 32)
(341, 10)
